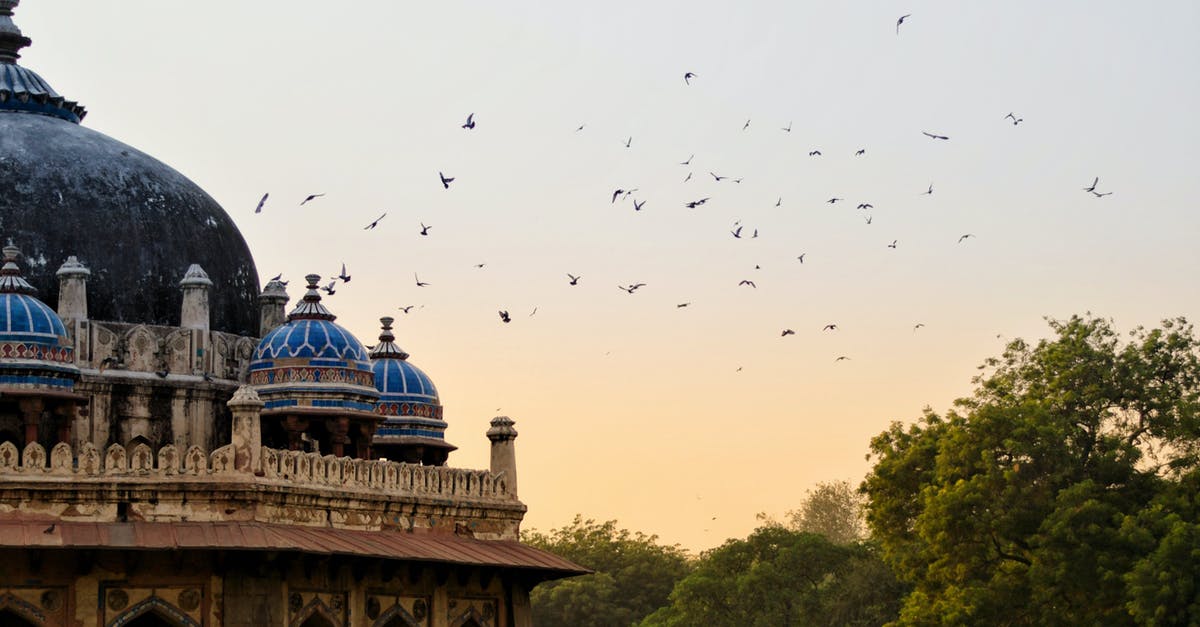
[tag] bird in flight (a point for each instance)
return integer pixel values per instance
(470, 121)
(737, 232)
(480, 265)
(746, 125)
(504, 316)
(830, 327)
(310, 197)
(419, 283)
(688, 178)
(637, 206)
(1101, 195)
(1016, 120)
(747, 282)
(833, 200)
(682, 305)
(787, 332)
(814, 153)
(868, 219)
(580, 127)
(932, 136)
(843, 357)
(574, 279)
(965, 236)
(688, 162)
(779, 202)
(329, 288)
(893, 244)
(928, 191)
(406, 308)
(343, 276)
(261, 202)
(801, 257)
(788, 128)
(533, 312)
(918, 325)
(425, 229)
(901, 21)
(375, 223)
(629, 141)
(718, 178)
(445, 180)
(866, 205)
(696, 203)
(688, 76)
(631, 288)
(1092, 188)
(860, 152)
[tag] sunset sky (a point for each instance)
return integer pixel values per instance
(679, 421)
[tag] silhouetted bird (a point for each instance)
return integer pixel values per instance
(1086, 189)
(932, 136)
(574, 279)
(261, 202)
(801, 257)
(682, 305)
(963, 237)
(779, 202)
(788, 128)
(329, 288)
(893, 244)
(814, 153)
(868, 219)
(580, 127)
(787, 332)
(842, 358)
(901, 21)
(637, 206)
(1016, 120)
(425, 229)
(928, 191)
(830, 327)
(470, 121)
(688, 76)
(1101, 195)
(309, 198)
(446, 180)
(747, 282)
(49, 529)
(696, 203)
(343, 276)
(688, 178)
(688, 162)
(866, 205)
(718, 178)
(860, 152)
(737, 232)
(918, 325)
(629, 141)
(419, 283)
(504, 317)
(375, 223)
(833, 200)
(632, 288)
(746, 125)
(406, 308)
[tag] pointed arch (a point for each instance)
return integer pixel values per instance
(15, 611)
(316, 614)
(157, 608)
(397, 616)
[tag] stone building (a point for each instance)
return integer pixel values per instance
(177, 448)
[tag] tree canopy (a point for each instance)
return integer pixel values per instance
(1064, 491)
(633, 575)
(833, 509)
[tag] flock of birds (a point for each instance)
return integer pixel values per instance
(738, 230)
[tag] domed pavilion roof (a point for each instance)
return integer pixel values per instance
(35, 352)
(409, 403)
(133, 220)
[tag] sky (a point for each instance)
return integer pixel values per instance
(681, 421)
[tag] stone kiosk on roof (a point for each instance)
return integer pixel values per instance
(175, 451)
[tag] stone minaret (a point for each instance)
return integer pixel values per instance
(271, 306)
(195, 314)
(72, 290)
(504, 452)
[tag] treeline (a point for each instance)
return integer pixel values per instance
(1064, 491)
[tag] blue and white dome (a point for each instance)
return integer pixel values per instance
(412, 429)
(310, 363)
(35, 351)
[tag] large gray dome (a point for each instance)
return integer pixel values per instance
(136, 223)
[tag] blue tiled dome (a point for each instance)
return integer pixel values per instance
(310, 362)
(409, 403)
(35, 352)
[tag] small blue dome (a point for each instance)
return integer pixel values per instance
(404, 390)
(412, 429)
(35, 352)
(313, 363)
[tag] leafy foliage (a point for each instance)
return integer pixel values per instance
(779, 577)
(1062, 492)
(833, 510)
(633, 575)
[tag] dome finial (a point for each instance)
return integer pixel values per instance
(11, 281)
(386, 348)
(11, 39)
(310, 307)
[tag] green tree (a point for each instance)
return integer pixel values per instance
(834, 510)
(1063, 492)
(779, 577)
(633, 575)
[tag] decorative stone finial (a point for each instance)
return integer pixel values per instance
(245, 397)
(195, 275)
(11, 39)
(11, 281)
(72, 267)
(386, 348)
(502, 429)
(273, 291)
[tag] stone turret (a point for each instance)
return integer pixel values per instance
(72, 290)
(271, 306)
(504, 452)
(195, 313)
(247, 430)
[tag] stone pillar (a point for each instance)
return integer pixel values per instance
(194, 313)
(247, 430)
(271, 306)
(339, 434)
(504, 452)
(31, 416)
(72, 290)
